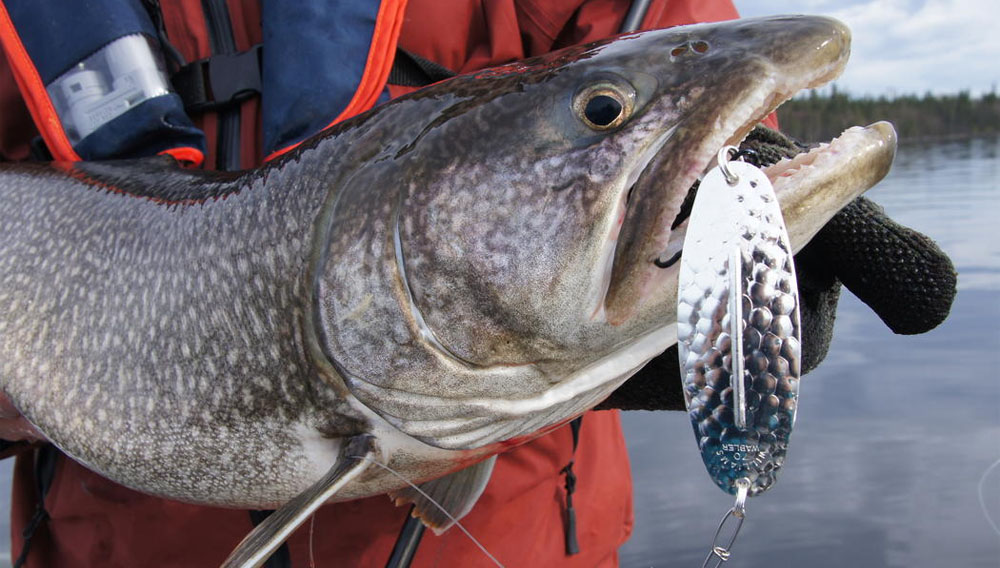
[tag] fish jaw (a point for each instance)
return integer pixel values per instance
(811, 188)
(776, 58)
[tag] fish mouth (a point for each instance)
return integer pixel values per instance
(811, 187)
(802, 173)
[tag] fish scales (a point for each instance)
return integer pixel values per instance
(163, 389)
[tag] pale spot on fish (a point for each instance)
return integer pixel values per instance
(360, 309)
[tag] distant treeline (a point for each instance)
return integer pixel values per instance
(824, 116)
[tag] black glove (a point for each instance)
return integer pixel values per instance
(899, 273)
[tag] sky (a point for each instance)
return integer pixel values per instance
(909, 46)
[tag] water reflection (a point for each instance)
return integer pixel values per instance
(893, 432)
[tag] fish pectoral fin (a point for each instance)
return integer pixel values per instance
(456, 493)
(258, 546)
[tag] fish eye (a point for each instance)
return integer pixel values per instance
(604, 106)
(603, 110)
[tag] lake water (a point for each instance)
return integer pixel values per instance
(894, 433)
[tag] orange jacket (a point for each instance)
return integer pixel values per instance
(520, 517)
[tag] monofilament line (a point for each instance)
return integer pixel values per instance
(982, 499)
(436, 504)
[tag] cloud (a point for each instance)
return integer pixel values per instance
(910, 46)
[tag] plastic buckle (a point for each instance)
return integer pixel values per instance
(219, 81)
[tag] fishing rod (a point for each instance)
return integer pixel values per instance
(633, 19)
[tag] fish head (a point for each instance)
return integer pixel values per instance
(564, 174)
(536, 202)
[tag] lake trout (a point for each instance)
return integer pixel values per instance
(443, 277)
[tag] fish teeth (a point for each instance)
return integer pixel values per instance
(815, 158)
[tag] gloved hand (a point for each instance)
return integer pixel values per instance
(899, 273)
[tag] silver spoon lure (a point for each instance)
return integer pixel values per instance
(739, 335)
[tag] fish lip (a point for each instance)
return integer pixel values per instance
(821, 160)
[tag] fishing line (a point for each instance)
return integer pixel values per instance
(312, 532)
(435, 503)
(982, 500)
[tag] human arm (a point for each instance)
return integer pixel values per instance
(13, 426)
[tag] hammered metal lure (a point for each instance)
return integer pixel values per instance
(739, 334)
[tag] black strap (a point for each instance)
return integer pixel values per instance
(156, 15)
(45, 467)
(223, 42)
(411, 70)
(282, 558)
(572, 544)
(407, 542)
(219, 82)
